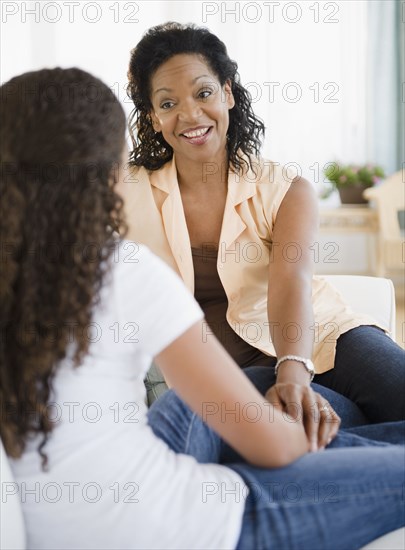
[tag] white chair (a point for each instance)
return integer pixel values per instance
(374, 296)
(12, 532)
(390, 201)
(371, 295)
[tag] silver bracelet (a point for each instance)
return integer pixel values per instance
(308, 364)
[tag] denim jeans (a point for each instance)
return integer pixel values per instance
(370, 371)
(368, 379)
(351, 415)
(339, 498)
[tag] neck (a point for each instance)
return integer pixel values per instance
(202, 176)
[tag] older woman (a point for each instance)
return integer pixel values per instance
(240, 230)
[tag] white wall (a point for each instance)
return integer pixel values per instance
(310, 53)
(313, 49)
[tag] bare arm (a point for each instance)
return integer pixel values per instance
(290, 277)
(211, 383)
(290, 310)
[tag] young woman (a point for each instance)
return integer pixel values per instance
(240, 231)
(82, 316)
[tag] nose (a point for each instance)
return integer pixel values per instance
(190, 110)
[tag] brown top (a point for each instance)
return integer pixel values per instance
(210, 294)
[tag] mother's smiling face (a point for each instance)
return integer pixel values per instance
(191, 108)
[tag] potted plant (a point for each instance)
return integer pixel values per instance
(351, 180)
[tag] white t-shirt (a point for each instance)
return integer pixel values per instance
(111, 482)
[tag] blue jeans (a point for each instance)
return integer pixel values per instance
(370, 371)
(351, 415)
(339, 498)
(368, 379)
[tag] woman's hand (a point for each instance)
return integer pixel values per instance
(320, 421)
(212, 384)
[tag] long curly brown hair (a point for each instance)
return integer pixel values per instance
(157, 46)
(62, 140)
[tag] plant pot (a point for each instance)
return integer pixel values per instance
(353, 194)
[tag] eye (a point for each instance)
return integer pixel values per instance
(203, 94)
(166, 105)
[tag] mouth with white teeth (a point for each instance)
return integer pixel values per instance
(197, 136)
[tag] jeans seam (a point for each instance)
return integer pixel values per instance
(346, 498)
(188, 438)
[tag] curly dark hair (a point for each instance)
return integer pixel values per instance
(158, 45)
(62, 140)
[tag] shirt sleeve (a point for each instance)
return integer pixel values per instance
(283, 177)
(153, 294)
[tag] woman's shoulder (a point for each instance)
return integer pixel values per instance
(266, 171)
(136, 173)
(272, 181)
(163, 178)
(134, 187)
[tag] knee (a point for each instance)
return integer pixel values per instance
(168, 405)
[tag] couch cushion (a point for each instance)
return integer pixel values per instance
(12, 531)
(391, 541)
